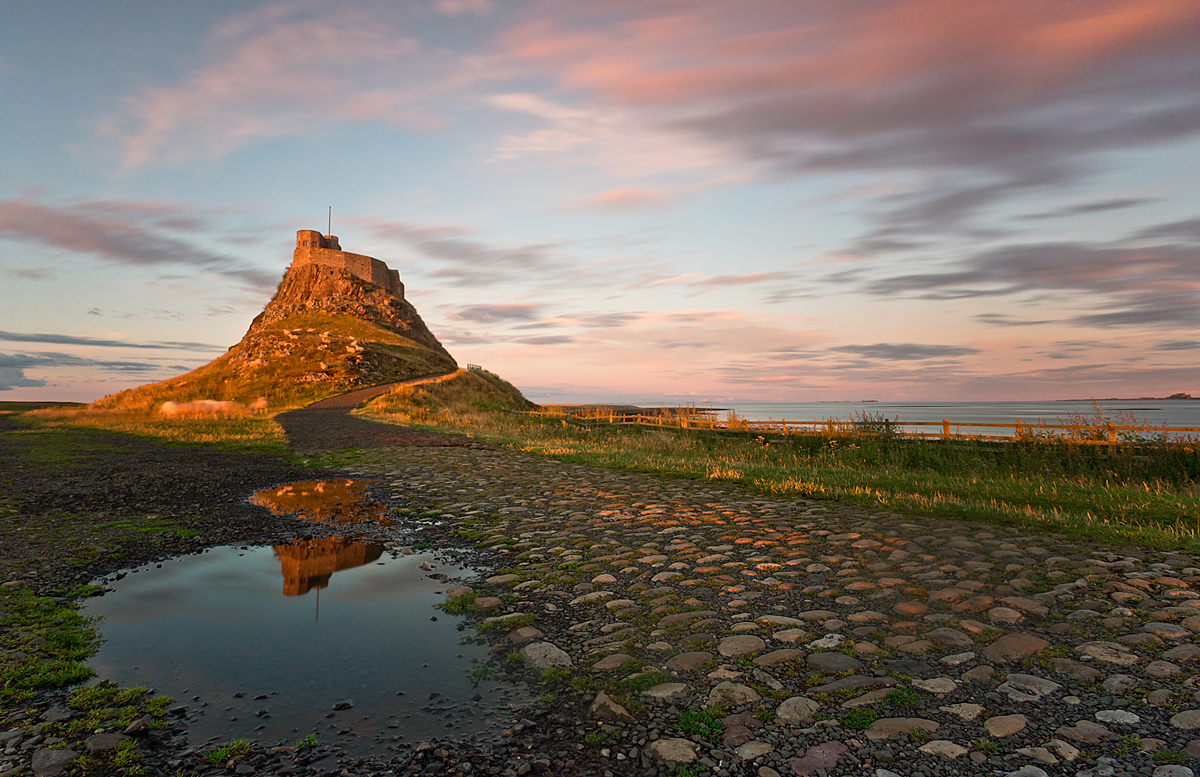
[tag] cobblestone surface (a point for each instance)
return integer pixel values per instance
(824, 637)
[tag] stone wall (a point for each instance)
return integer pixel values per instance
(314, 248)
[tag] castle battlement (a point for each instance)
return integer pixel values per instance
(314, 248)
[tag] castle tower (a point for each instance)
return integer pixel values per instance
(314, 248)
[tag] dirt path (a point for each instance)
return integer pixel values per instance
(328, 425)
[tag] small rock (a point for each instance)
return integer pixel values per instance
(1039, 754)
(1108, 652)
(1014, 646)
(689, 662)
(732, 647)
(823, 756)
(732, 694)
(679, 751)
(1027, 687)
(964, 710)
(753, 750)
(938, 685)
(1172, 770)
(1076, 670)
(796, 710)
(1028, 770)
(885, 727)
(1064, 750)
(943, 747)
(1002, 726)
(98, 743)
(609, 663)
(1117, 716)
(606, 709)
(1186, 720)
(543, 655)
(1085, 731)
(48, 763)
(666, 691)
(831, 663)
(1161, 669)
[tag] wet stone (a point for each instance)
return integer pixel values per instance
(1014, 646)
(823, 756)
(732, 647)
(831, 663)
(689, 662)
(886, 727)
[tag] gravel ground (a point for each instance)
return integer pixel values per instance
(826, 639)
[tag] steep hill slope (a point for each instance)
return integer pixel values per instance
(326, 331)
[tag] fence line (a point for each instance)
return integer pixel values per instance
(1112, 434)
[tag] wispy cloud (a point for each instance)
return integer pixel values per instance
(983, 101)
(1086, 208)
(13, 367)
(286, 70)
(905, 351)
(122, 232)
(493, 313)
(1131, 286)
(96, 342)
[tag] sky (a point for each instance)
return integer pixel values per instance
(641, 201)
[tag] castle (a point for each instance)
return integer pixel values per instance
(314, 248)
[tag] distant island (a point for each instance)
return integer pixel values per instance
(1180, 395)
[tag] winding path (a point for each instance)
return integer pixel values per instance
(328, 425)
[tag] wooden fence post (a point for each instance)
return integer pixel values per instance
(1017, 430)
(946, 429)
(1112, 439)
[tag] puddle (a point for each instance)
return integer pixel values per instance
(267, 643)
(324, 501)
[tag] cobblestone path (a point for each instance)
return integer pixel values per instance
(826, 639)
(328, 425)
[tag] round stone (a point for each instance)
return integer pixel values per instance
(1186, 720)
(1005, 725)
(831, 663)
(1004, 615)
(740, 645)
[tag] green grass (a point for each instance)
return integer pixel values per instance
(70, 639)
(702, 723)
(459, 605)
(240, 433)
(229, 750)
(444, 400)
(1151, 499)
(859, 718)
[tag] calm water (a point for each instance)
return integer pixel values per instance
(216, 629)
(1154, 413)
(264, 643)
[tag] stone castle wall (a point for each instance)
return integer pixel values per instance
(314, 248)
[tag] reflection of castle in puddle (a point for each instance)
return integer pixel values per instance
(324, 501)
(309, 564)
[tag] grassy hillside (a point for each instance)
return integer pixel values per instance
(447, 399)
(308, 357)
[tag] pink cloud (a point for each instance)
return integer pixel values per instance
(279, 72)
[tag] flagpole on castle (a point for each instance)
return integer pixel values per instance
(329, 226)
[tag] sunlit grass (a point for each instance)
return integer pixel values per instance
(1148, 499)
(247, 432)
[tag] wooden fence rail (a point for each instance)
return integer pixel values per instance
(1111, 435)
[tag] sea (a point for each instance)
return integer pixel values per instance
(1143, 412)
